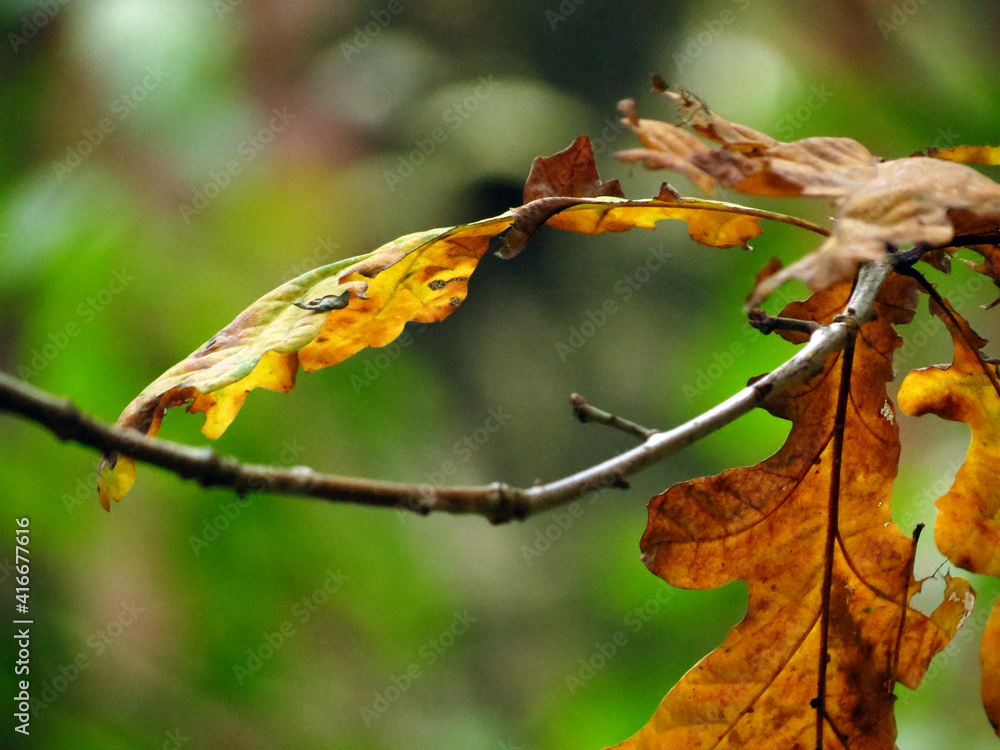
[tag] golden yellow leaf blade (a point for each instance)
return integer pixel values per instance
(966, 529)
(596, 207)
(989, 659)
(422, 287)
(987, 155)
(274, 372)
(708, 224)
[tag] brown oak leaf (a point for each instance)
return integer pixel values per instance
(768, 525)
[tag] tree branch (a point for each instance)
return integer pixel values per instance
(497, 502)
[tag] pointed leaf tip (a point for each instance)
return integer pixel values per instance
(115, 477)
(570, 173)
(986, 155)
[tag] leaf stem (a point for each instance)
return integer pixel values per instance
(833, 519)
(702, 204)
(904, 605)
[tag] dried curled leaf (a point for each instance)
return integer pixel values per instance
(912, 201)
(324, 316)
(879, 204)
(767, 525)
(748, 161)
(967, 530)
(667, 147)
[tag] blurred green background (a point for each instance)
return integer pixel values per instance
(188, 619)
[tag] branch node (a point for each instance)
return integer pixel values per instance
(619, 482)
(762, 390)
(212, 471)
(850, 319)
(508, 504)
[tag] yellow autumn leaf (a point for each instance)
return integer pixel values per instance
(330, 313)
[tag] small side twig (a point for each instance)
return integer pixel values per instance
(770, 323)
(585, 412)
(904, 259)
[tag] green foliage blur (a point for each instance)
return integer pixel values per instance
(163, 164)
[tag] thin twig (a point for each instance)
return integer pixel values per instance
(585, 412)
(907, 258)
(497, 502)
(770, 323)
